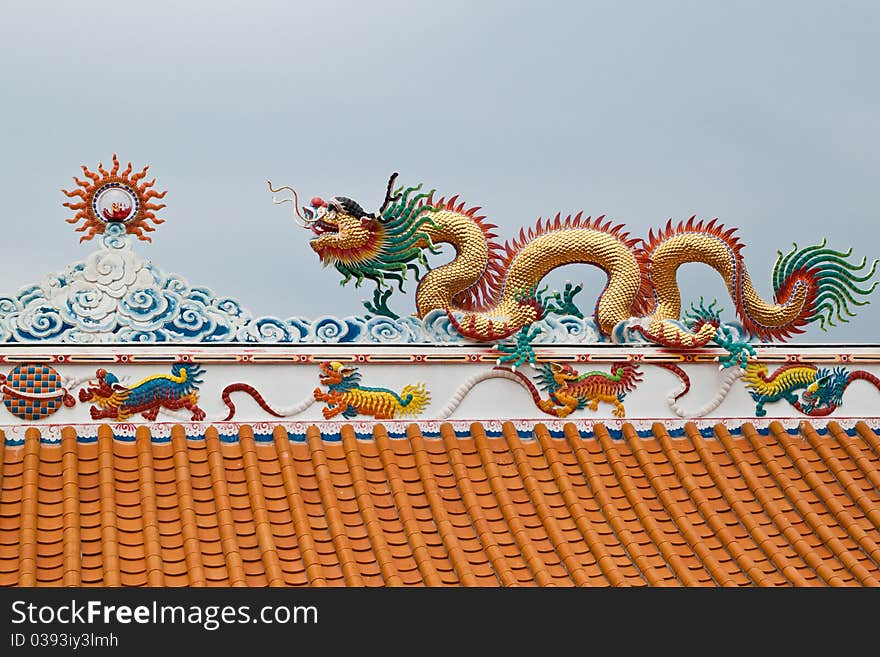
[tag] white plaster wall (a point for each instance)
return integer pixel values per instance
(289, 385)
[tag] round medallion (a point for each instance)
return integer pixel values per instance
(118, 197)
(115, 202)
(32, 391)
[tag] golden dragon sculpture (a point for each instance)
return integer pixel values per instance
(490, 290)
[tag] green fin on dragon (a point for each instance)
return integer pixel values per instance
(491, 291)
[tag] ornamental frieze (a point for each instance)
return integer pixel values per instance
(481, 337)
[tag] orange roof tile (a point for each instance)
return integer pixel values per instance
(742, 507)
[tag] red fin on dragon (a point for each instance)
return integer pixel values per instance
(490, 291)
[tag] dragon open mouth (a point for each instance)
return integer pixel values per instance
(811, 399)
(321, 227)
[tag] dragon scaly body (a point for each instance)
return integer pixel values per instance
(175, 391)
(346, 396)
(784, 383)
(567, 390)
(490, 291)
(822, 387)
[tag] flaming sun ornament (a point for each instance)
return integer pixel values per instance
(114, 196)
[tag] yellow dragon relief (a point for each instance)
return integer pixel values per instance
(347, 397)
(490, 290)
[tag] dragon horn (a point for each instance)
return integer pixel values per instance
(388, 193)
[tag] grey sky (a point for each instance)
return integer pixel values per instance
(762, 114)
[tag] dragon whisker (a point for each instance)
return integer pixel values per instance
(306, 222)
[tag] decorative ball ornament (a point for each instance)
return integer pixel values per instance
(32, 391)
(115, 202)
(114, 197)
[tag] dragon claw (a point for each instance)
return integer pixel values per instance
(379, 304)
(562, 303)
(700, 314)
(521, 351)
(738, 350)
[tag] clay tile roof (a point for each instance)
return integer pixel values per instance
(737, 507)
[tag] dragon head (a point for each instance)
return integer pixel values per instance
(373, 245)
(563, 372)
(826, 391)
(102, 387)
(344, 231)
(335, 373)
(553, 376)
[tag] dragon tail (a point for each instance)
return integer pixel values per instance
(527, 384)
(188, 372)
(810, 284)
(417, 399)
(826, 279)
(250, 390)
(683, 377)
(861, 375)
(533, 391)
(631, 375)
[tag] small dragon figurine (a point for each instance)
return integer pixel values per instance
(113, 400)
(569, 391)
(347, 397)
(822, 387)
(490, 291)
